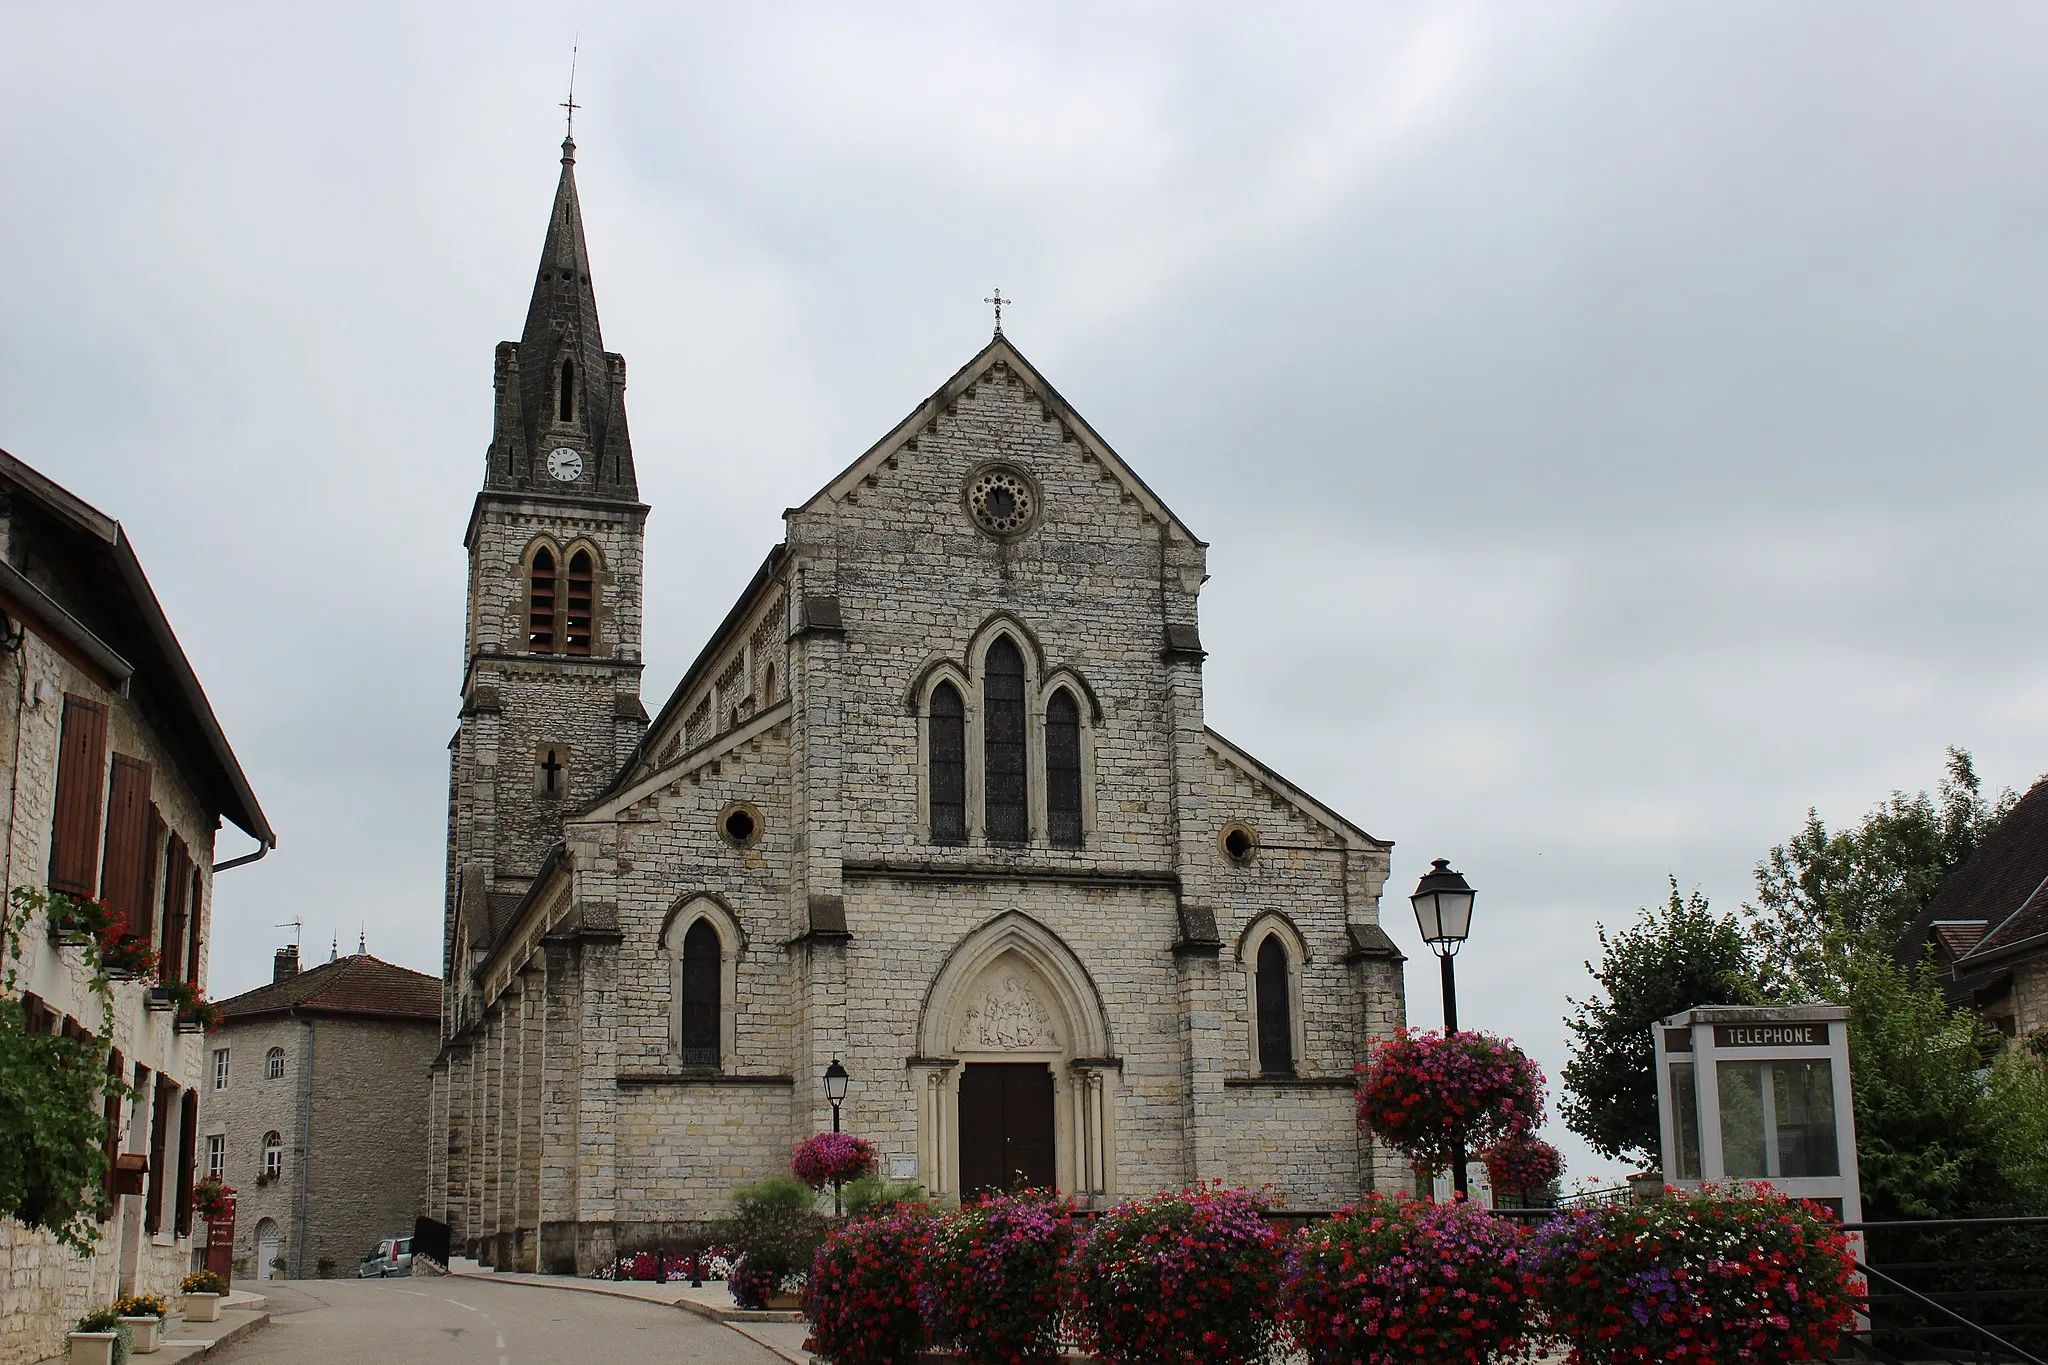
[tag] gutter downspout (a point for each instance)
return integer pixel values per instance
(305, 1143)
(261, 850)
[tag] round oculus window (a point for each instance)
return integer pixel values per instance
(1002, 502)
(739, 824)
(1239, 843)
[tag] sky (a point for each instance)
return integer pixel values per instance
(1618, 427)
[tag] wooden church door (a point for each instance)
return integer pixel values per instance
(1006, 1127)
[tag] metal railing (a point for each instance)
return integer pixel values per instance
(1962, 1289)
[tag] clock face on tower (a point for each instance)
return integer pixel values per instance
(565, 464)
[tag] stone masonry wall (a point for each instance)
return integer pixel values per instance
(367, 1171)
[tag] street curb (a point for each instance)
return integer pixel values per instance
(253, 1325)
(733, 1319)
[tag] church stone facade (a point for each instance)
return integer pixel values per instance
(937, 800)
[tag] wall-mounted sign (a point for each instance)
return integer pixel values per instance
(1770, 1035)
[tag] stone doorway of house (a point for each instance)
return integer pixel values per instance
(1006, 1127)
(269, 1246)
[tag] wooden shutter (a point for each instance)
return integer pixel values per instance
(188, 1158)
(159, 1150)
(152, 893)
(177, 899)
(127, 862)
(81, 771)
(113, 1117)
(196, 916)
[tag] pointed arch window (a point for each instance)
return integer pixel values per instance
(540, 603)
(1007, 804)
(582, 603)
(948, 749)
(1275, 991)
(1063, 769)
(703, 970)
(565, 399)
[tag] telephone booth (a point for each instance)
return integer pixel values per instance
(1760, 1094)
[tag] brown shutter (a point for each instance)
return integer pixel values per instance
(81, 771)
(177, 897)
(159, 1149)
(152, 869)
(113, 1115)
(197, 913)
(188, 1156)
(123, 874)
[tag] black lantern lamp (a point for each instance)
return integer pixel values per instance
(1443, 912)
(835, 1089)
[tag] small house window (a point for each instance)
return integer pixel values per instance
(273, 1064)
(582, 597)
(216, 1156)
(1007, 808)
(540, 604)
(220, 1068)
(1063, 769)
(566, 400)
(948, 744)
(273, 1155)
(702, 967)
(1276, 1012)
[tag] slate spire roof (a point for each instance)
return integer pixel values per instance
(357, 986)
(585, 410)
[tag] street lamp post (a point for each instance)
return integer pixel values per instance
(835, 1091)
(1443, 912)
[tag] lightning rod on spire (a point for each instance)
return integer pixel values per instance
(570, 104)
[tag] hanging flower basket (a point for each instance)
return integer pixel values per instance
(1423, 1091)
(1523, 1165)
(832, 1159)
(211, 1196)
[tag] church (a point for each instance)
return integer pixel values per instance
(938, 801)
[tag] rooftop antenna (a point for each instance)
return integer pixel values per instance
(298, 928)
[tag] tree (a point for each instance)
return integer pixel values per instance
(1825, 897)
(1674, 958)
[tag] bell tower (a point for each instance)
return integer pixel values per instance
(551, 667)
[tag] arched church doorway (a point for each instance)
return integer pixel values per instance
(1006, 1127)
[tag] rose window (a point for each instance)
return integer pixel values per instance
(1001, 502)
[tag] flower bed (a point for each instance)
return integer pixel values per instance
(992, 1281)
(1186, 1277)
(1718, 1275)
(1423, 1091)
(863, 1292)
(832, 1159)
(1394, 1280)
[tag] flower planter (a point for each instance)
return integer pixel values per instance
(785, 1303)
(69, 938)
(186, 1024)
(158, 999)
(202, 1308)
(92, 1348)
(145, 1333)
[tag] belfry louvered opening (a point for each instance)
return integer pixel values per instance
(540, 603)
(582, 603)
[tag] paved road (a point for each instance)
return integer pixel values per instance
(462, 1321)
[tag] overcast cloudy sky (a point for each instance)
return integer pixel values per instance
(1618, 426)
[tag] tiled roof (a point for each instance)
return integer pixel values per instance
(358, 985)
(1959, 936)
(2004, 885)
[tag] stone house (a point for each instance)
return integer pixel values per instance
(1986, 930)
(937, 800)
(315, 1111)
(119, 778)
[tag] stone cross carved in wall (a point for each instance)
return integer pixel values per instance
(1008, 1018)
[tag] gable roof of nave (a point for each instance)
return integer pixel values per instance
(732, 630)
(1283, 792)
(1000, 351)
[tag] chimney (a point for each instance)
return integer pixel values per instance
(287, 964)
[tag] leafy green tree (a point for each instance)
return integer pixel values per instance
(1674, 958)
(1827, 896)
(52, 1163)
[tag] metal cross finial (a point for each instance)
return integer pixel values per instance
(998, 300)
(570, 103)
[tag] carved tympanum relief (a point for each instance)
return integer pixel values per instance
(1008, 1017)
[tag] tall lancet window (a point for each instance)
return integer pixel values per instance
(701, 973)
(540, 603)
(1002, 744)
(1276, 1008)
(566, 400)
(948, 741)
(582, 603)
(1063, 769)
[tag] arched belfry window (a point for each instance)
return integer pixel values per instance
(1063, 769)
(948, 750)
(566, 400)
(582, 609)
(1004, 785)
(1275, 991)
(702, 981)
(540, 603)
